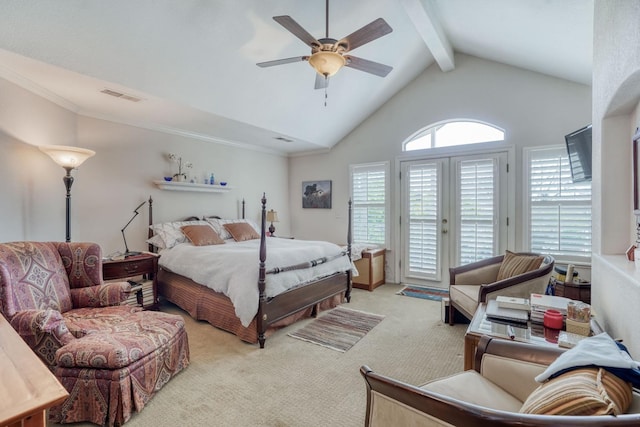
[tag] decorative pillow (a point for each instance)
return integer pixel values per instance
(156, 241)
(171, 232)
(514, 264)
(585, 391)
(218, 226)
(201, 235)
(241, 231)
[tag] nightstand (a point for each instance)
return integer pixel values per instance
(141, 268)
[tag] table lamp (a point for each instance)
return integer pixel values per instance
(272, 216)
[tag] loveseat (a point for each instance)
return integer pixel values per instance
(501, 386)
(111, 358)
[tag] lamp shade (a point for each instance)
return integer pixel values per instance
(327, 63)
(67, 157)
(272, 216)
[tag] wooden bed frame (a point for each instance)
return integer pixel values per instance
(203, 303)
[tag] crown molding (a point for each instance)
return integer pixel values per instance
(179, 132)
(36, 89)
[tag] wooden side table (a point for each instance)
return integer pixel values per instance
(28, 387)
(143, 266)
(575, 291)
(370, 269)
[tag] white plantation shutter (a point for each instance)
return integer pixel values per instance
(424, 216)
(369, 197)
(477, 201)
(559, 212)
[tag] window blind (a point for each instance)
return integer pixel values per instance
(478, 210)
(369, 203)
(424, 205)
(559, 209)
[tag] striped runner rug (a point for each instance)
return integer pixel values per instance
(339, 329)
(435, 294)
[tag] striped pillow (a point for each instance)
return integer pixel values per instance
(514, 264)
(584, 391)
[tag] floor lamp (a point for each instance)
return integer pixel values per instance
(69, 158)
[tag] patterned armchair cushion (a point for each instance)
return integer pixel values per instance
(82, 262)
(115, 337)
(44, 331)
(32, 277)
(101, 295)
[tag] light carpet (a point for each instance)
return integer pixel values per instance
(339, 329)
(291, 383)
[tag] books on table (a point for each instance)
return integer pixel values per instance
(513, 302)
(541, 303)
(495, 312)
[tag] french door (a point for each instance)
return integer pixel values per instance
(453, 211)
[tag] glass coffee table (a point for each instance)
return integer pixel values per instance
(533, 333)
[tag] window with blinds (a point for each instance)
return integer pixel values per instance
(369, 203)
(423, 218)
(559, 214)
(478, 212)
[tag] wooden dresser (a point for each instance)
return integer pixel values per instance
(28, 387)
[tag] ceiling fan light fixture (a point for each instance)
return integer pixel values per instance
(327, 63)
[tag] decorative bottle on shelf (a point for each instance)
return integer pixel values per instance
(211, 179)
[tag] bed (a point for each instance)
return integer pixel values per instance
(320, 282)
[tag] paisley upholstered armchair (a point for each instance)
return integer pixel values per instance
(111, 358)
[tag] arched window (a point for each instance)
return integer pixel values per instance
(453, 132)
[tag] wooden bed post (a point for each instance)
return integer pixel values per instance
(262, 317)
(349, 238)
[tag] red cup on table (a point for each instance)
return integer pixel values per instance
(553, 319)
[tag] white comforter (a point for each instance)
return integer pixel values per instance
(232, 268)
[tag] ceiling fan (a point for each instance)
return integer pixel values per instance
(328, 55)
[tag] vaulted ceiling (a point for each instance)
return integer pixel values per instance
(192, 63)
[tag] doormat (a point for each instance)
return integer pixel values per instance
(340, 329)
(435, 294)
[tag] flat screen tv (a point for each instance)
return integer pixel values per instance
(579, 151)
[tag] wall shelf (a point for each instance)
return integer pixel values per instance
(188, 186)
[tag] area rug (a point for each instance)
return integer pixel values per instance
(340, 329)
(435, 294)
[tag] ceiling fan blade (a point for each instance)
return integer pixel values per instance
(367, 66)
(369, 32)
(321, 82)
(282, 61)
(294, 28)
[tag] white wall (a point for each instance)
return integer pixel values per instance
(111, 184)
(616, 93)
(534, 109)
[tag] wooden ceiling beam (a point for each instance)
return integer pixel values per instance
(424, 18)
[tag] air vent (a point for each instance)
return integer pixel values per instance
(121, 95)
(283, 139)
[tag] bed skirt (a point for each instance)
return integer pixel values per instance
(203, 303)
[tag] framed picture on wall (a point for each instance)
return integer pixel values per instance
(316, 194)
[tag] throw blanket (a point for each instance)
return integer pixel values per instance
(232, 268)
(600, 350)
